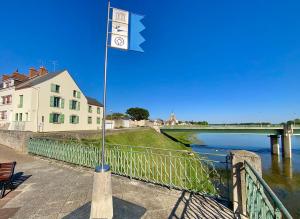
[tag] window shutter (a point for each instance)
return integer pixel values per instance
(21, 100)
(52, 87)
(78, 94)
(52, 101)
(51, 118)
(77, 119)
(62, 104)
(61, 118)
(70, 104)
(78, 105)
(98, 110)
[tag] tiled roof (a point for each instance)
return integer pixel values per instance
(94, 102)
(35, 81)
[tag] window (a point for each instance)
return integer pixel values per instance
(56, 118)
(89, 120)
(6, 99)
(98, 120)
(17, 117)
(3, 115)
(20, 117)
(74, 105)
(57, 102)
(20, 101)
(98, 110)
(76, 94)
(74, 119)
(90, 109)
(55, 88)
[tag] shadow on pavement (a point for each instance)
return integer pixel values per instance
(190, 205)
(19, 178)
(122, 209)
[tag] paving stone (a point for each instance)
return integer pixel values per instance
(56, 190)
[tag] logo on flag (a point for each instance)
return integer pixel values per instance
(121, 37)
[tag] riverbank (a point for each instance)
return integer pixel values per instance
(145, 137)
(186, 138)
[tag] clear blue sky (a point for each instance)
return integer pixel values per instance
(221, 61)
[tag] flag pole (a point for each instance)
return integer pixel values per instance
(104, 92)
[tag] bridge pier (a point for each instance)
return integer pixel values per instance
(286, 141)
(274, 144)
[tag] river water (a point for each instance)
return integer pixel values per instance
(282, 175)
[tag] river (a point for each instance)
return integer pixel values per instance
(282, 175)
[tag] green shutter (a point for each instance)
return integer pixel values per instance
(62, 104)
(78, 105)
(98, 110)
(77, 119)
(70, 104)
(70, 119)
(51, 118)
(78, 94)
(61, 118)
(52, 87)
(52, 101)
(21, 100)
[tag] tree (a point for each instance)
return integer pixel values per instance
(117, 116)
(138, 113)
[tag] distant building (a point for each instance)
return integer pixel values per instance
(46, 102)
(172, 120)
(158, 122)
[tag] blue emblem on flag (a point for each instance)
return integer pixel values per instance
(136, 27)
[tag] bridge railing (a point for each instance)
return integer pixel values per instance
(261, 200)
(177, 169)
(223, 126)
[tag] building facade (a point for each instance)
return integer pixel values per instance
(7, 89)
(48, 102)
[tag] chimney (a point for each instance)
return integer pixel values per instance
(43, 71)
(33, 73)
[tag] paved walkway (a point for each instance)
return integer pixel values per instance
(49, 189)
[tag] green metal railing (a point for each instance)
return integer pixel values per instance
(178, 169)
(261, 200)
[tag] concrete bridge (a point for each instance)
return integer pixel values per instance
(276, 132)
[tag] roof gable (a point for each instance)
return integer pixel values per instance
(37, 80)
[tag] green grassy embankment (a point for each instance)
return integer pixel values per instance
(156, 160)
(186, 138)
(144, 137)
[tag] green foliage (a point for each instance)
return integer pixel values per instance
(117, 116)
(138, 113)
(198, 122)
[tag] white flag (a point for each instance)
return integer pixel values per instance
(119, 31)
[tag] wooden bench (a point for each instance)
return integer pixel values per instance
(6, 176)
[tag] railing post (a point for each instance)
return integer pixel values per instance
(170, 168)
(239, 198)
(130, 176)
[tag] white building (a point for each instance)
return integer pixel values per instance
(7, 89)
(48, 102)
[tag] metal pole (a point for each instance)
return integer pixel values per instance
(104, 90)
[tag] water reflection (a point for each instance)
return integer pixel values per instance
(281, 174)
(288, 167)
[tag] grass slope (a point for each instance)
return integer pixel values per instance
(186, 138)
(145, 137)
